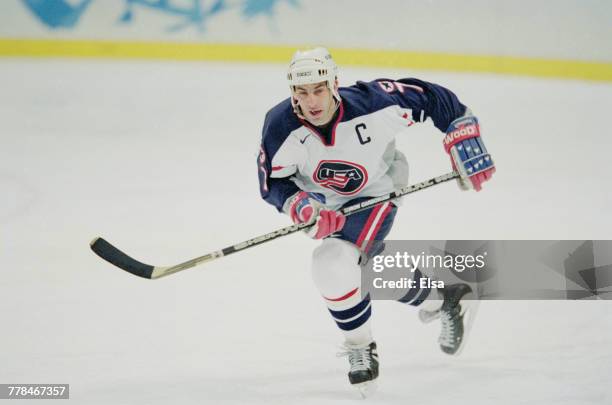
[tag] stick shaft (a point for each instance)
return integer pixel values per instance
(298, 227)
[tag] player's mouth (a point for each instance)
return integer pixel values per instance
(315, 113)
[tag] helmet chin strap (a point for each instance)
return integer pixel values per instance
(297, 110)
(336, 106)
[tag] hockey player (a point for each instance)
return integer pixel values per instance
(327, 147)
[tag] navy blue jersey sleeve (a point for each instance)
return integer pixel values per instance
(277, 127)
(441, 104)
(426, 100)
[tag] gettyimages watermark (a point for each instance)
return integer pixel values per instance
(504, 270)
(419, 266)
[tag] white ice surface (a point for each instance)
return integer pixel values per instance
(160, 159)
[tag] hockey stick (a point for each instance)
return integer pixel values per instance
(114, 256)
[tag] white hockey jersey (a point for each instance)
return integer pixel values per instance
(358, 158)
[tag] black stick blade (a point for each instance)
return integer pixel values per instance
(115, 256)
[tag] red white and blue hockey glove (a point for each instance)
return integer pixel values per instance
(468, 153)
(305, 208)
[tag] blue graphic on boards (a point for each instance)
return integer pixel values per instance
(195, 15)
(58, 14)
(253, 8)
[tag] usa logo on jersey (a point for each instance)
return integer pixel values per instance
(343, 177)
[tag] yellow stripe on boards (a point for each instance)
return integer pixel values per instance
(553, 68)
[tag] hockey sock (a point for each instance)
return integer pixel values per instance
(337, 275)
(421, 294)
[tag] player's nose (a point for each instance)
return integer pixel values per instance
(311, 100)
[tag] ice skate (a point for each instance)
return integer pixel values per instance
(364, 367)
(456, 316)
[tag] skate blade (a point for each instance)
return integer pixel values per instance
(428, 316)
(367, 389)
(469, 309)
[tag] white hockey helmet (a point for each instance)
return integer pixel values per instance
(313, 66)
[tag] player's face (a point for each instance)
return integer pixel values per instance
(316, 102)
